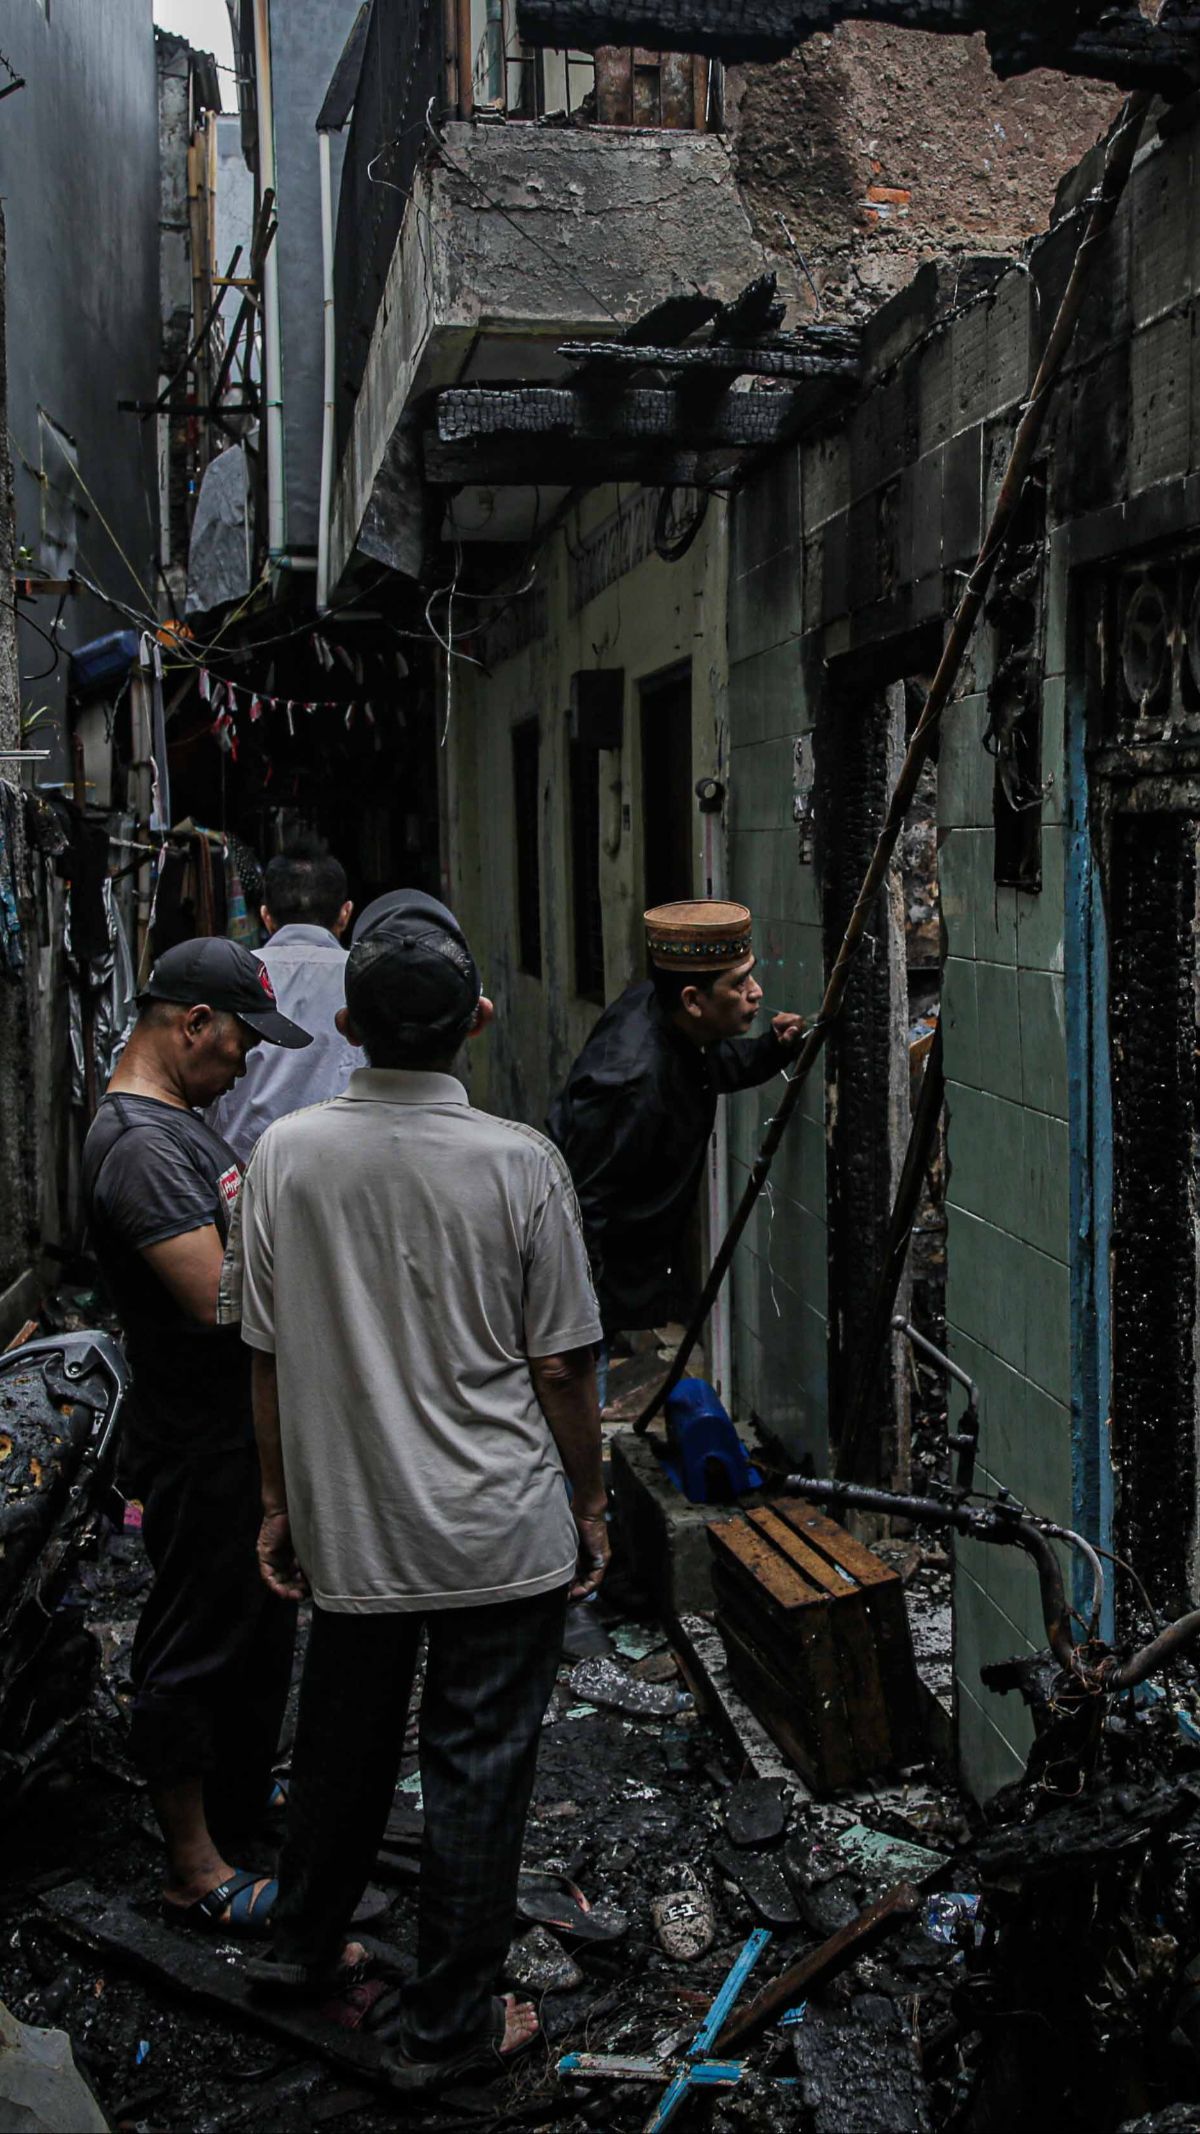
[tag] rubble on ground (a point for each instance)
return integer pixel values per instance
(686, 1853)
(923, 1966)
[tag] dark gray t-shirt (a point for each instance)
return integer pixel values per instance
(152, 1171)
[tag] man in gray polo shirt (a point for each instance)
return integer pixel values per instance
(416, 1292)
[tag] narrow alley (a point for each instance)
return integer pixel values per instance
(600, 935)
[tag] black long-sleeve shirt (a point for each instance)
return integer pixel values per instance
(633, 1120)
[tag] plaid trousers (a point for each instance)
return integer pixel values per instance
(488, 1678)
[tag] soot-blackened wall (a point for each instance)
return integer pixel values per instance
(855, 744)
(1152, 915)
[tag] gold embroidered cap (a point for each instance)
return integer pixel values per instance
(701, 935)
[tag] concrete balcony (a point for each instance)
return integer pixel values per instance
(514, 238)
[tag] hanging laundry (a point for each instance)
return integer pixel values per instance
(12, 950)
(240, 925)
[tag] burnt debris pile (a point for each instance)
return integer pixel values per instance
(892, 1961)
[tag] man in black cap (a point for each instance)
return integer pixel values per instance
(415, 1288)
(212, 1655)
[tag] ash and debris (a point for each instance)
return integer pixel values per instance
(1047, 1966)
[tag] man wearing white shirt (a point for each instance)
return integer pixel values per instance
(306, 911)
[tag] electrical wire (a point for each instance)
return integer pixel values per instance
(147, 596)
(50, 637)
(1152, 1613)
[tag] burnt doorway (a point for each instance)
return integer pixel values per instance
(668, 803)
(1141, 638)
(887, 1410)
(1153, 1035)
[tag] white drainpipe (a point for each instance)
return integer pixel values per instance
(323, 529)
(274, 367)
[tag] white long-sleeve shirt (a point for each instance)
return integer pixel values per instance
(307, 966)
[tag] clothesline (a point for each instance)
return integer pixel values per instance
(228, 699)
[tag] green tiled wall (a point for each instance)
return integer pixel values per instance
(832, 555)
(1005, 1048)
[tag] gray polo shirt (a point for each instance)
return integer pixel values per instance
(404, 1255)
(307, 967)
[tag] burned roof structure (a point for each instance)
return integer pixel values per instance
(657, 403)
(1105, 40)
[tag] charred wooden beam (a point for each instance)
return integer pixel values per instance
(748, 421)
(791, 359)
(757, 311)
(1132, 54)
(1097, 38)
(674, 319)
(545, 434)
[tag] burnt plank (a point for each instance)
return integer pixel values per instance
(833, 1541)
(823, 1753)
(805, 1671)
(1124, 47)
(862, 1681)
(749, 1554)
(809, 1973)
(792, 361)
(201, 1971)
(643, 413)
(816, 1569)
(887, 1613)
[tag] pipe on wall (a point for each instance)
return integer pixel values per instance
(327, 426)
(271, 341)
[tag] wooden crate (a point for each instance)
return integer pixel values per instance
(817, 1635)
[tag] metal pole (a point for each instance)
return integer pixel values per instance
(272, 357)
(330, 372)
(1122, 147)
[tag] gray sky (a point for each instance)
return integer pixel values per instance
(205, 24)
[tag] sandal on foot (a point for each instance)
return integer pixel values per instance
(483, 2062)
(240, 1906)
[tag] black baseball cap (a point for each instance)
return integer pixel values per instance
(422, 975)
(222, 974)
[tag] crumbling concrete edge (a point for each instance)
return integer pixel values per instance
(703, 1654)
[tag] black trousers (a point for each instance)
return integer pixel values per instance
(212, 1655)
(489, 1675)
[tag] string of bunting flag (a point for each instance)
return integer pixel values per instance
(229, 700)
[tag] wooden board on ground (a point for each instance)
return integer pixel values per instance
(200, 1969)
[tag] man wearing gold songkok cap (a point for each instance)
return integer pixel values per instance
(635, 1114)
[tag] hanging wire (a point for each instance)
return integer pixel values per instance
(15, 80)
(50, 637)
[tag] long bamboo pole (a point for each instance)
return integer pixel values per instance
(1122, 147)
